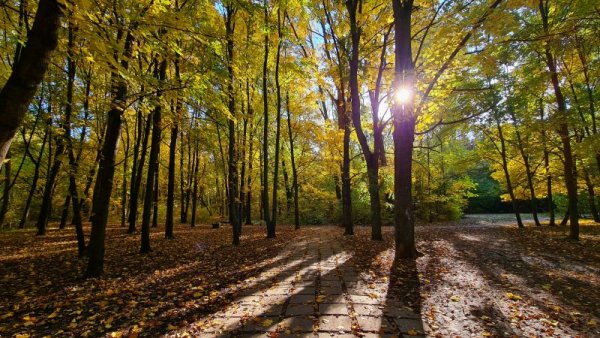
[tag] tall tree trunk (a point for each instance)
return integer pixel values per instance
(155, 195)
(106, 167)
(250, 160)
(73, 161)
(563, 128)
(288, 189)
(371, 158)
(273, 222)
(265, 150)
(549, 198)
(36, 175)
(171, 179)
(28, 71)
(293, 160)
(6, 192)
(509, 186)
(528, 171)
(194, 197)
(46, 207)
(160, 74)
(184, 189)
(591, 195)
(137, 182)
(233, 180)
(404, 120)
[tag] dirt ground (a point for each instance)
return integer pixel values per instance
(477, 277)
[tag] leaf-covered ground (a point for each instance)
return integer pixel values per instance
(476, 277)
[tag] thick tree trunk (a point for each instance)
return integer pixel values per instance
(106, 167)
(28, 71)
(563, 129)
(404, 120)
(234, 202)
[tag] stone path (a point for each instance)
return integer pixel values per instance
(310, 290)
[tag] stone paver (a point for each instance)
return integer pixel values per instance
(313, 292)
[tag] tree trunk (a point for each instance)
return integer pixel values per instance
(137, 182)
(28, 71)
(155, 195)
(547, 170)
(6, 194)
(171, 178)
(271, 226)
(194, 196)
(528, 171)
(293, 160)
(106, 167)
(591, 195)
(36, 175)
(403, 134)
(160, 74)
(265, 151)
(509, 186)
(563, 129)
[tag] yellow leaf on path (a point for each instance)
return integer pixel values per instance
(267, 323)
(22, 335)
(547, 287)
(455, 298)
(513, 296)
(486, 334)
(171, 327)
(320, 298)
(412, 332)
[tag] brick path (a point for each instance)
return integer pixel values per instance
(310, 291)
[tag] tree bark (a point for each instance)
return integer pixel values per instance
(293, 160)
(265, 151)
(28, 71)
(509, 186)
(160, 74)
(106, 167)
(404, 121)
(563, 129)
(528, 172)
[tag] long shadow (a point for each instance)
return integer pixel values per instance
(144, 297)
(402, 309)
(227, 295)
(493, 261)
(321, 301)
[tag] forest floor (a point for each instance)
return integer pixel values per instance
(477, 277)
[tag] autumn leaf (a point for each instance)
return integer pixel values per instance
(513, 296)
(455, 298)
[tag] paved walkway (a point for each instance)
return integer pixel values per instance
(310, 290)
